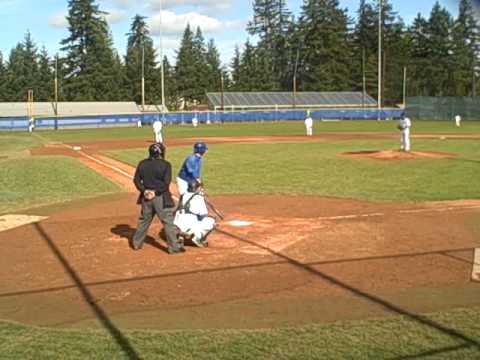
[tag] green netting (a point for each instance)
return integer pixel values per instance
(443, 108)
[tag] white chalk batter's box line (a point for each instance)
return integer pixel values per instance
(340, 217)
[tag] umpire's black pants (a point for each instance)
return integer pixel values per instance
(149, 208)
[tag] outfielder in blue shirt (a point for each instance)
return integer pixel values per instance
(191, 168)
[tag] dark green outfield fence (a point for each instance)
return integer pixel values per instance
(443, 108)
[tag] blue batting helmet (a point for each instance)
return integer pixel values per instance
(200, 148)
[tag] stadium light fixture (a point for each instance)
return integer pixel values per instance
(379, 58)
(162, 75)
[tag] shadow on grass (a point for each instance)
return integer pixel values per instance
(433, 352)
(101, 315)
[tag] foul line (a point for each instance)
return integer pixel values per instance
(120, 171)
(100, 162)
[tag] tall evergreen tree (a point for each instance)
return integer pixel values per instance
(22, 70)
(191, 68)
(272, 24)
(364, 45)
(90, 59)
(326, 52)
(201, 67)
(46, 80)
(140, 46)
(235, 69)
(419, 51)
(3, 79)
(214, 67)
(253, 70)
(440, 68)
(466, 49)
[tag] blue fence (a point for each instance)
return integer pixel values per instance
(21, 123)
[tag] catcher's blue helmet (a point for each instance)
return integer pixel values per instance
(157, 150)
(200, 148)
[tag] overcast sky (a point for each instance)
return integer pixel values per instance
(222, 20)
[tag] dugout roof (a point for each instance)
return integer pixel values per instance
(288, 100)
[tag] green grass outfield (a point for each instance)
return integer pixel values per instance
(258, 129)
(27, 182)
(389, 338)
(315, 168)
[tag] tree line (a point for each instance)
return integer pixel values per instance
(323, 49)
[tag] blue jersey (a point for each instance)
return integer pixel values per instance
(191, 168)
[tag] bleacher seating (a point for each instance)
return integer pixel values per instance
(97, 108)
(20, 109)
(46, 109)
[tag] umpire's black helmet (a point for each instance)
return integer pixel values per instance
(157, 150)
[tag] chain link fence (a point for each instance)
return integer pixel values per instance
(443, 108)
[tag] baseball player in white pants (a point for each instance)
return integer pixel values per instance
(458, 120)
(404, 127)
(157, 130)
(309, 124)
(192, 218)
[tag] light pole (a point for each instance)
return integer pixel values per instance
(56, 85)
(143, 74)
(295, 80)
(162, 75)
(379, 58)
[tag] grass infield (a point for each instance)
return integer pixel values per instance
(389, 338)
(317, 169)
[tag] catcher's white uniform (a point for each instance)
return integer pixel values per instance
(309, 125)
(404, 127)
(157, 130)
(192, 217)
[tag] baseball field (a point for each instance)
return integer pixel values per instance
(350, 249)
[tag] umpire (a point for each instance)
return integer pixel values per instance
(152, 179)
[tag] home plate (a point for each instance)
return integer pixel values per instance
(240, 223)
(12, 221)
(476, 265)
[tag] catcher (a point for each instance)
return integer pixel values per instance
(152, 179)
(191, 216)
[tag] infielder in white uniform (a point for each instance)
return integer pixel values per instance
(157, 130)
(309, 124)
(194, 121)
(404, 127)
(192, 218)
(458, 120)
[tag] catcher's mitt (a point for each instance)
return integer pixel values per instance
(149, 194)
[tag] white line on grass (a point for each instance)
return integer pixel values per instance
(120, 171)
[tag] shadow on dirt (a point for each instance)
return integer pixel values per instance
(121, 340)
(466, 341)
(127, 232)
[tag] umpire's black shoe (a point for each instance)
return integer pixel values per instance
(176, 251)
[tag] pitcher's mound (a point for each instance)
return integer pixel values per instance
(398, 155)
